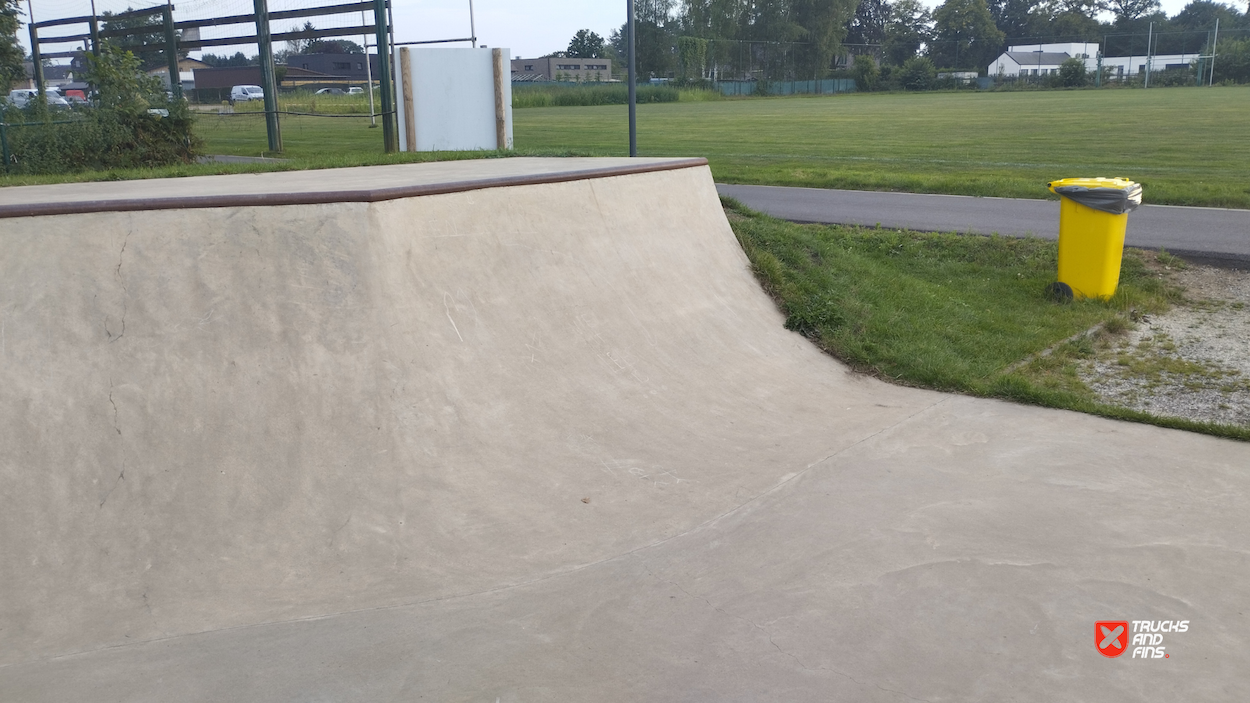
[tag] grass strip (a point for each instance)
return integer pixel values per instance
(950, 312)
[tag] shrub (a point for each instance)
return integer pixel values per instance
(866, 73)
(117, 131)
(917, 73)
(1072, 73)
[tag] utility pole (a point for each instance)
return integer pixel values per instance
(633, 88)
(472, 26)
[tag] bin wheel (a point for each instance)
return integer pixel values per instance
(1059, 292)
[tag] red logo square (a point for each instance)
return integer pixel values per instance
(1111, 637)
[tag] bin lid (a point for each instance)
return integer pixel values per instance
(1114, 195)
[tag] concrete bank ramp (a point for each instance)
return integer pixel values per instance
(529, 430)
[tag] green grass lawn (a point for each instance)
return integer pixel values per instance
(1187, 146)
(951, 312)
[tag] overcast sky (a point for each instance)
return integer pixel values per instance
(527, 27)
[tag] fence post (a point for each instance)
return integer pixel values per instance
(390, 140)
(267, 82)
(4, 145)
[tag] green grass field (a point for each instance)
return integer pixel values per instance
(1187, 146)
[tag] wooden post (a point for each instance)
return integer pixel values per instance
(501, 110)
(410, 113)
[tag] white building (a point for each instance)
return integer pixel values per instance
(1045, 59)
(1041, 59)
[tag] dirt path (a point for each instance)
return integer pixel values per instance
(1192, 362)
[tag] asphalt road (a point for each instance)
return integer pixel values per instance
(1212, 234)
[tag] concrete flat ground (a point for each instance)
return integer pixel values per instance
(540, 436)
(1205, 233)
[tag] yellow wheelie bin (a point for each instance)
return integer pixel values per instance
(1093, 215)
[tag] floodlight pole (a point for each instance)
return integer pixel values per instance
(1214, 43)
(1149, 41)
(472, 26)
(633, 88)
(373, 120)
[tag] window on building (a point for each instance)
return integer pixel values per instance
(529, 67)
(569, 66)
(342, 65)
(360, 66)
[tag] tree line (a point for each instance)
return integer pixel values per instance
(808, 39)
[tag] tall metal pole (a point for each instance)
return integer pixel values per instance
(472, 26)
(389, 137)
(171, 50)
(373, 119)
(267, 81)
(1149, 40)
(95, 31)
(35, 58)
(633, 87)
(1214, 43)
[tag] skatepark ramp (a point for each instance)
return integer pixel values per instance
(528, 429)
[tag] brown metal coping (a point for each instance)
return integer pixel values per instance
(330, 196)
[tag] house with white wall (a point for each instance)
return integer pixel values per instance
(1028, 60)
(1040, 59)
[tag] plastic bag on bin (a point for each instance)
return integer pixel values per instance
(1117, 199)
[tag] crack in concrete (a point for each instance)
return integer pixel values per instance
(125, 294)
(120, 477)
(114, 404)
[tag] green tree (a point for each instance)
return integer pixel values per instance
(333, 46)
(909, 26)
(1014, 17)
(868, 24)
(228, 61)
(965, 35)
(692, 57)
(866, 73)
(585, 45)
(147, 42)
(822, 27)
(1072, 73)
(1129, 10)
(1232, 61)
(917, 73)
(11, 70)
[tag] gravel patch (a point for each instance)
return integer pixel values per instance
(1192, 362)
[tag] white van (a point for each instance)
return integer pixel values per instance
(244, 93)
(25, 96)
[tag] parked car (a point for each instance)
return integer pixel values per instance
(330, 91)
(355, 90)
(246, 93)
(24, 96)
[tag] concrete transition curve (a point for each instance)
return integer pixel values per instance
(540, 436)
